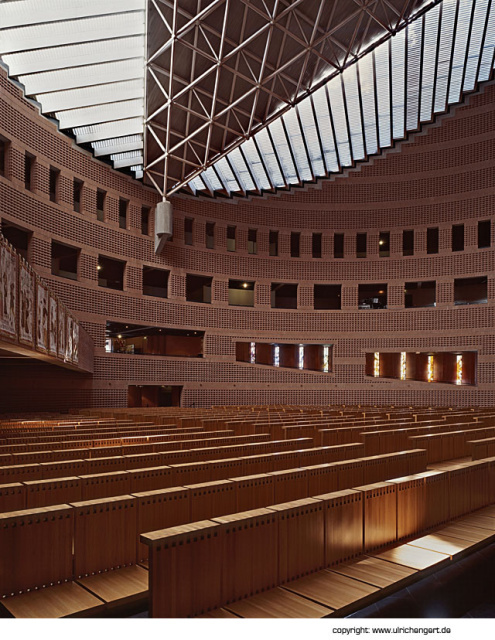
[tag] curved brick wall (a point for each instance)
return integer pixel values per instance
(443, 176)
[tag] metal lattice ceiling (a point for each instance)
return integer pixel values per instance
(244, 96)
(404, 82)
(219, 70)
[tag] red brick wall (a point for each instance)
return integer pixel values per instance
(443, 176)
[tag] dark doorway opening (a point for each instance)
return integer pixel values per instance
(149, 395)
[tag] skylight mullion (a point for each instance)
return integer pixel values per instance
(276, 151)
(431, 42)
(398, 69)
(383, 94)
(266, 150)
(284, 152)
(337, 111)
(486, 61)
(227, 176)
(78, 55)
(240, 178)
(450, 12)
(476, 41)
(299, 154)
(256, 167)
(263, 163)
(413, 76)
(352, 107)
(325, 129)
(367, 83)
(460, 50)
(311, 138)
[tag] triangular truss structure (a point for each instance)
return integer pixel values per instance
(220, 70)
(405, 82)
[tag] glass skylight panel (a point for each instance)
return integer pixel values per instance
(284, 154)
(255, 164)
(398, 44)
(269, 158)
(100, 113)
(432, 23)
(117, 145)
(227, 176)
(74, 56)
(55, 34)
(25, 12)
(488, 47)
(311, 135)
(367, 86)
(211, 176)
(414, 50)
(340, 124)
(125, 160)
(449, 9)
(475, 42)
(241, 170)
(130, 126)
(297, 145)
(89, 96)
(197, 184)
(96, 74)
(354, 112)
(381, 58)
(322, 112)
(460, 50)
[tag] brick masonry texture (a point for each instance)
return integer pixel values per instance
(442, 176)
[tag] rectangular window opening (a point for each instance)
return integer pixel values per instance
(241, 293)
(361, 245)
(384, 244)
(408, 242)
(432, 240)
(338, 245)
(252, 245)
(316, 245)
(458, 237)
(77, 187)
(198, 288)
(295, 241)
(155, 282)
(210, 235)
(420, 294)
(123, 209)
(484, 234)
(372, 296)
(64, 260)
(110, 273)
(273, 242)
(231, 237)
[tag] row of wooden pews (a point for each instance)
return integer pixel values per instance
(66, 479)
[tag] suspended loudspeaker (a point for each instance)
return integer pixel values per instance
(163, 224)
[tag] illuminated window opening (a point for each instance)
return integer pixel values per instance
(301, 356)
(403, 367)
(252, 353)
(376, 365)
(326, 358)
(430, 369)
(458, 369)
(276, 356)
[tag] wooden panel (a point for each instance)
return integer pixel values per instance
(185, 574)
(68, 600)
(41, 493)
(105, 533)
(343, 525)
(39, 544)
(161, 510)
(191, 472)
(380, 514)
(20, 473)
(62, 469)
(414, 557)
(253, 492)
(105, 465)
(221, 469)
(105, 485)
(333, 590)
(278, 603)
(212, 499)
(322, 478)
(436, 498)
(301, 538)
(12, 497)
(289, 485)
(151, 479)
(411, 505)
(249, 553)
(377, 572)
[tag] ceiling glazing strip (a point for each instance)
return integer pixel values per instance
(406, 81)
(83, 61)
